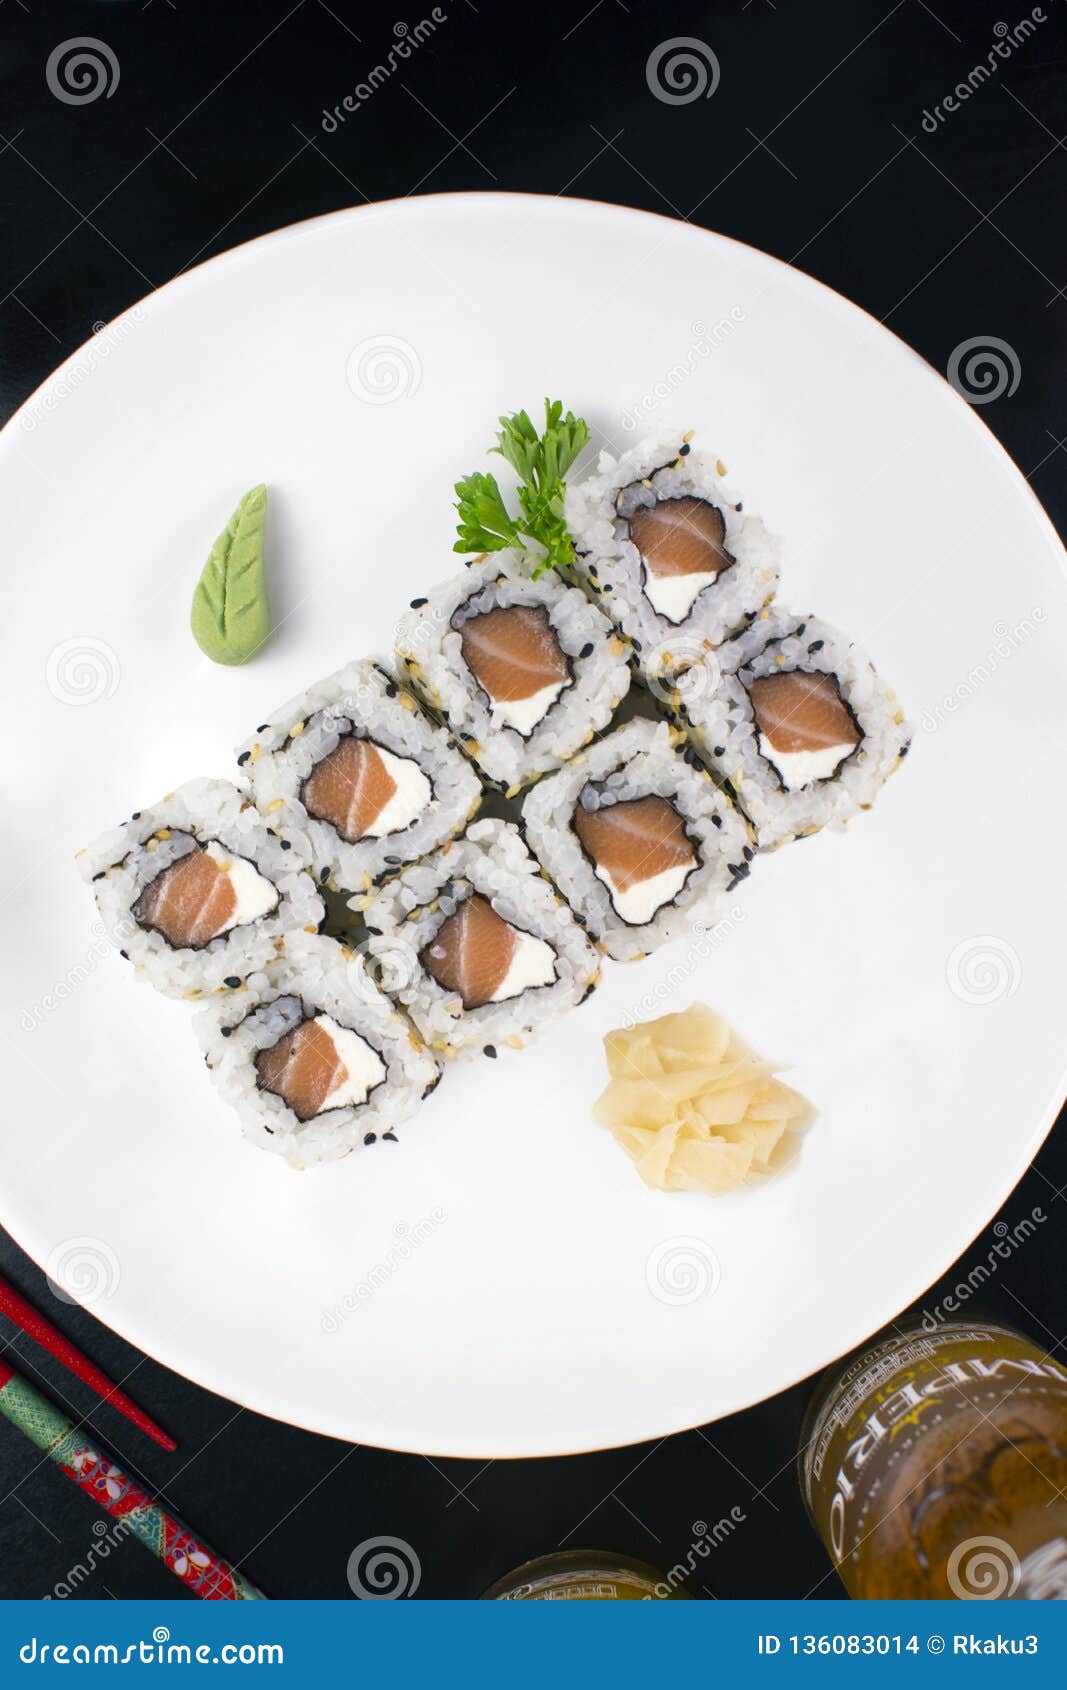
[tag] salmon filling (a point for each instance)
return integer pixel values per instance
(806, 730)
(364, 791)
(682, 543)
(480, 956)
(318, 1066)
(516, 659)
(204, 894)
(640, 850)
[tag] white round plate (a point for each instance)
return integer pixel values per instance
(501, 1282)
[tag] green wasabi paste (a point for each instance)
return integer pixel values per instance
(230, 617)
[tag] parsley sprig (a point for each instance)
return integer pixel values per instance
(541, 462)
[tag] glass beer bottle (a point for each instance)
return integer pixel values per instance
(583, 1576)
(934, 1464)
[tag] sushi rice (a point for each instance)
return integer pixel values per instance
(598, 512)
(122, 863)
(638, 761)
(429, 645)
(318, 977)
(491, 862)
(716, 709)
(362, 700)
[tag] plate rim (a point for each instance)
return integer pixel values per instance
(22, 1230)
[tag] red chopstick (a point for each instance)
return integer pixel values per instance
(34, 1324)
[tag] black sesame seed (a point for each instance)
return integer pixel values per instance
(801, 628)
(748, 853)
(394, 860)
(370, 1138)
(324, 875)
(225, 1031)
(286, 844)
(684, 451)
(99, 876)
(636, 645)
(606, 588)
(263, 726)
(490, 1050)
(739, 506)
(716, 821)
(126, 954)
(390, 1138)
(416, 604)
(267, 1129)
(816, 645)
(587, 650)
(243, 759)
(719, 751)
(136, 816)
(390, 691)
(905, 749)
(233, 981)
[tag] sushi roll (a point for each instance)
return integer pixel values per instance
(198, 892)
(314, 1058)
(523, 671)
(796, 720)
(638, 838)
(477, 946)
(667, 548)
(358, 778)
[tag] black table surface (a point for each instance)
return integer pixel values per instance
(828, 143)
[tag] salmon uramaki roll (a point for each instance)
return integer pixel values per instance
(477, 946)
(637, 838)
(315, 1059)
(198, 891)
(356, 775)
(523, 671)
(673, 556)
(797, 721)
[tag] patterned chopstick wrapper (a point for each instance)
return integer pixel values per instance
(94, 1471)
